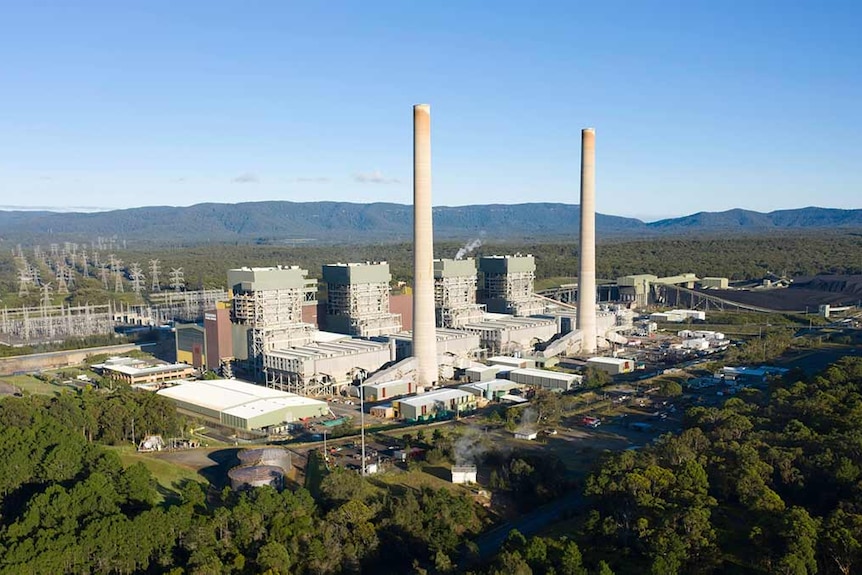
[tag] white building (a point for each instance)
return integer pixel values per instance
(464, 474)
(435, 404)
(612, 365)
(242, 405)
(551, 380)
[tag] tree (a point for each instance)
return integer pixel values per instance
(548, 407)
(274, 558)
(571, 562)
(670, 388)
(842, 539)
(595, 378)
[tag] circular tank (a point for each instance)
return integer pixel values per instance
(274, 456)
(256, 476)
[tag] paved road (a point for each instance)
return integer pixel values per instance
(489, 543)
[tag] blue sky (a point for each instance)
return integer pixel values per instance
(697, 106)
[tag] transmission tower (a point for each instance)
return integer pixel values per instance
(177, 280)
(154, 275)
(23, 282)
(137, 278)
(118, 276)
(55, 250)
(62, 286)
(69, 272)
(46, 295)
(84, 261)
(103, 270)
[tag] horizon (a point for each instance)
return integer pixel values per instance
(116, 106)
(642, 218)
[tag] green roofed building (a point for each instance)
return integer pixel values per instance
(242, 405)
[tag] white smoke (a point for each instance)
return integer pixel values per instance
(529, 417)
(468, 247)
(469, 447)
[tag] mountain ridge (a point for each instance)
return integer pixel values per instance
(336, 222)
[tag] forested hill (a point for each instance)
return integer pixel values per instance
(276, 222)
(749, 221)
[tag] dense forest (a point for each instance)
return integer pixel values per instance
(738, 258)
(768, 482)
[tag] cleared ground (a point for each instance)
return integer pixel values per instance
(31, 385)
(169, 474)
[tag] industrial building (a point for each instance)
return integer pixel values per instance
(507, 285)
(502, 334)
(321, 367)
(242, 405)
(550, 380)
(218, 338)
(191, 344)
(612, 365)
(491, 390)
(267, 310)
(455, 293)
(504, 361)
(678, 315)
(642, 290)
(207, 345)
(482, 372)
(357, 300)
(714, 283)
(453, 342)
(387, 390)
(435, 404)
(137, 372)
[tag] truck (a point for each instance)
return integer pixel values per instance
(588, 421)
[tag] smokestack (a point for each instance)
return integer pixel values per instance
(587, 273)
(424, 322)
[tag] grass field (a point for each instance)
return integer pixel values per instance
(29, 384)
(168, 475)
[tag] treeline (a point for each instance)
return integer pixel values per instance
(68, 506)
(735, 258)
(767, 483)
(739, 258)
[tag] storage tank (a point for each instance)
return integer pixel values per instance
(272, 456)
(256, 476)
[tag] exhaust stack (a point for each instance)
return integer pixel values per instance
(424, 322)
(587, 273)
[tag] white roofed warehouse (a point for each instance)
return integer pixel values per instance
(242, 405)
(435, 404)
(551, 380)
(612, 365)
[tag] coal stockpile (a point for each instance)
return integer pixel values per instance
(803, 293)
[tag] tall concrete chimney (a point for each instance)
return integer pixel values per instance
(424, 323)
(587, 273)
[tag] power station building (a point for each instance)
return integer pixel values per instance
(357, 301)
(267, 311)
(321, 367)
(502, 334)
(455, 293)
(507, 285)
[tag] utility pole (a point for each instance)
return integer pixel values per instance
(362, 419)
